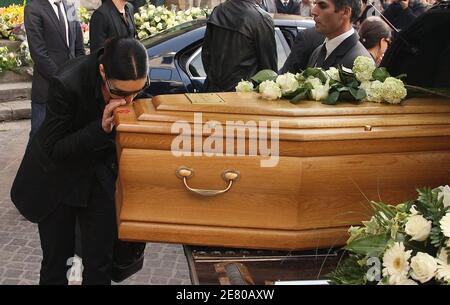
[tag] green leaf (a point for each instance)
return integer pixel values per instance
(264, 75)
(315, 72)
(300, 96)
(371, 245)
(332, 98)
(380, 74)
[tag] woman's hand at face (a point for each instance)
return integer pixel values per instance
(108, 114)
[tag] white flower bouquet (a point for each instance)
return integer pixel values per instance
(364, 82)
(407, 244)
(151, 20)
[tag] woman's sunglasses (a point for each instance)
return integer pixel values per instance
(126, 93)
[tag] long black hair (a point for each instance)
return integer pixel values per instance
(124, 58)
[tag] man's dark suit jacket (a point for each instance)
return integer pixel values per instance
(305, 43)
(48, 47)
(106, 22)
(292, 7)
(64, 157)
(345, 54)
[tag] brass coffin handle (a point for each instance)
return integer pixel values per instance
(229, 176)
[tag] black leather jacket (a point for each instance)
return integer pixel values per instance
(239, 41)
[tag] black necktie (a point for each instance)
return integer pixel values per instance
(322, 56)
(62, 22)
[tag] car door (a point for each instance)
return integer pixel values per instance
(195, 71)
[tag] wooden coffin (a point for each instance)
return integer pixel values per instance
(332, 161)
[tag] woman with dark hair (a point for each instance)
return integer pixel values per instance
(375, 35)
(69, 170)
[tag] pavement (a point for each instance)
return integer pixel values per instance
(20, 251)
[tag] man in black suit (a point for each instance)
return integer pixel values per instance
(239, 41)
(54, 36)
(69, 170)
(112, 18)
(305, 43)
(334, 20)
(288, 7)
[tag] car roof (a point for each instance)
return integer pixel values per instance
(199, 24)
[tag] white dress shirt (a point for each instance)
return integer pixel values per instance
(332, 44)
(55, 9)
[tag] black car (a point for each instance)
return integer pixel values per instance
(175, 62)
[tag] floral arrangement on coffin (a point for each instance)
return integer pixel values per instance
(364, 82)
(11, 21)
(407, 244)
(151, 19)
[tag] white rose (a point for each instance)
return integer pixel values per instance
(418, 227)
(363, 68)
(445, 193)
(157, 19)
(445, 224)
(423, 267)
(375, 92)
(333, 73)
(314, 81)
(393, 90)
(244, 86)
(320, 93)
(287, 82)
(270, 90)
(159, 26)
(153, 30)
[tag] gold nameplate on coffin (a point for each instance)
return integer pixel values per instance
(204, 98)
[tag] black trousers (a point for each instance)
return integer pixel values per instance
(98, 233)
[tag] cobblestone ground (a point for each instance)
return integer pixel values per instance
(20, 252)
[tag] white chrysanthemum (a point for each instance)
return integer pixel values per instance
(443, 269)
(423, 267)
(393, 90)
(270, 90)
(445, 224)
(244, 86)
(445, 193)
(395, 263)
(320, 93)
(363, 68)
(418, 227)
(287, 82)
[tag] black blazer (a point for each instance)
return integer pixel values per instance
(48, 47)
(345, 54)
(292, 8)
(106, 22)
(64, 156)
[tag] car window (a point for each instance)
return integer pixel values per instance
(195, 68)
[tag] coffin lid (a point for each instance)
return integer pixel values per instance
(309, 120)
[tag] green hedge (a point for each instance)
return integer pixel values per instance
(4, 3)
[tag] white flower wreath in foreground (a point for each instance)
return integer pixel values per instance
(364, 82)
(411, 241)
